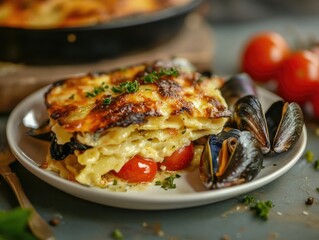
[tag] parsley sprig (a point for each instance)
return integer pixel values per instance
(107, 100)
(13, 224)
(129, 87)
(156, 75)
(168, 183)
(310, 158)
(261, 208)
(97, 90)
(117, 235)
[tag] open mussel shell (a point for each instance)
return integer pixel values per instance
(285, 123)
(230, 158)
(248, 115)
(236, 87)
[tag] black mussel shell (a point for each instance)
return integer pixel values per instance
(243, 165)
(249, 116)
(238, 86)
(285, 123)
(61, 151)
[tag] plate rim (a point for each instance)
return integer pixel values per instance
(134, 200)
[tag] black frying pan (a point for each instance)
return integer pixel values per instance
(82, 44)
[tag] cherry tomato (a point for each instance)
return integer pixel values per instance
(298, 76)
(138, 170)
(263, 55)
(315, 104)
(180, 159)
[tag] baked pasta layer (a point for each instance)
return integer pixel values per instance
(150, 110)
(74, 13)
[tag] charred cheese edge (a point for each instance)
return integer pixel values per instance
(153, 121)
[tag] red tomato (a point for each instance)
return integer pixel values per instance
(315, 104)
(180, 159)
(138, 170)
(298, 76)
(263, 55)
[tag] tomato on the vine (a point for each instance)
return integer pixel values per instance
(263, 55)
(298, 76)
(138, 170)
(180, 159)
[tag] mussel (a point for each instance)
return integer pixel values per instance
(277, 130)
(236, 87)
(230, 158)
(57, 151)
(61, 151)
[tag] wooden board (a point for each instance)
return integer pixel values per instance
(194, 42)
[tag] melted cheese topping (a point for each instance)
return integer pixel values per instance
(153, 122)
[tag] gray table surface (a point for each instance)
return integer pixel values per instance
(290, 219)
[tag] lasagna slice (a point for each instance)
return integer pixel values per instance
(100, 121)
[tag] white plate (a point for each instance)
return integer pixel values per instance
(189, 192)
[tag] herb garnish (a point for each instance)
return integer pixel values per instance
(261, 208)
(117, 235)
(155, 75)
(309, 156)
(128, 87)
(248, 199)
(107, 100)
(97, 90)
(168, 183)
(13, 224)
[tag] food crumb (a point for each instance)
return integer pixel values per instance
(144, 224)
(160, 233)
(54, 221)
(309, 201)
(225, 237)
(279, 213)
(305, 213)
(273, 236)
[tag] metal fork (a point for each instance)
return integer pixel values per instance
(37, 225)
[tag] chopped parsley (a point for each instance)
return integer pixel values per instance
(107, 100)
(248, 199)
(168, 183)
(262, 209)
(156, 75)
(309, 156)
(97, 90)
(259, 207)
(129, 87)
(117, 235)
